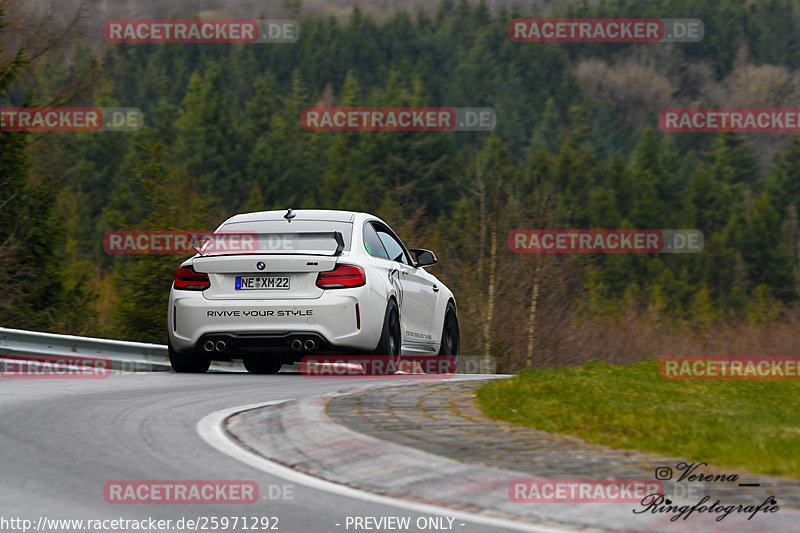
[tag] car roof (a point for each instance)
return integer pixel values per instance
(300, 214)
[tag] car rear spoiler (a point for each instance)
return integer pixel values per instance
(234, 243)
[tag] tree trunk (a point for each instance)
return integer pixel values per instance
(487, 326)
(532, 316)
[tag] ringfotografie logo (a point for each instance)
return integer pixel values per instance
(698, 474)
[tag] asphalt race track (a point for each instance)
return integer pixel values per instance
(62, 440)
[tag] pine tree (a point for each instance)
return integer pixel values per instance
(143, 281)
(768, 257)
(206, 145)
(36, 290)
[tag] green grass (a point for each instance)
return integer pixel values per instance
(741, 425)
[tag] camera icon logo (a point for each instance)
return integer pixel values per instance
(663, 473)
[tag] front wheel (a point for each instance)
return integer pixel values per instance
(188, 363)
(451, 341)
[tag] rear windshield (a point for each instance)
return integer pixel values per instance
(296, 237)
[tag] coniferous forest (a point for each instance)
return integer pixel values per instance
(577, 144)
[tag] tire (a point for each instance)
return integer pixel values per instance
(389, 344)
(451, 340)
(263, 365)
(187, 363)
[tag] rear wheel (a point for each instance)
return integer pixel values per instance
(451, 341)
(389, 345)
(263, 365)
(188, 362)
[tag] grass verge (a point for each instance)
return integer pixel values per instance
(744, 425)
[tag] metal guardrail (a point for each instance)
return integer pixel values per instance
(144, 356)
(124, 355)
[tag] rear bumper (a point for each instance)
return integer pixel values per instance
(243, 344)
(253, 326)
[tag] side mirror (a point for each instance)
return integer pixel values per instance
(423, 257)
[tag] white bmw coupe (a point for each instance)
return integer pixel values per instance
(274, 286)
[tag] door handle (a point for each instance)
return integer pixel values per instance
(435, 288)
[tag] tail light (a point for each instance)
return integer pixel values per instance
(189, 280)
(341, 277)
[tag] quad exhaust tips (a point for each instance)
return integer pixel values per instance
(298, 344)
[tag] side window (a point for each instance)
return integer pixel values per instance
(394, 248)
(373, 244)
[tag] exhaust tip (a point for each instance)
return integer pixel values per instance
(221, 346)
(208, 346)
(297, 344)
(310, 345)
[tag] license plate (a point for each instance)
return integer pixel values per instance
(279, 283)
